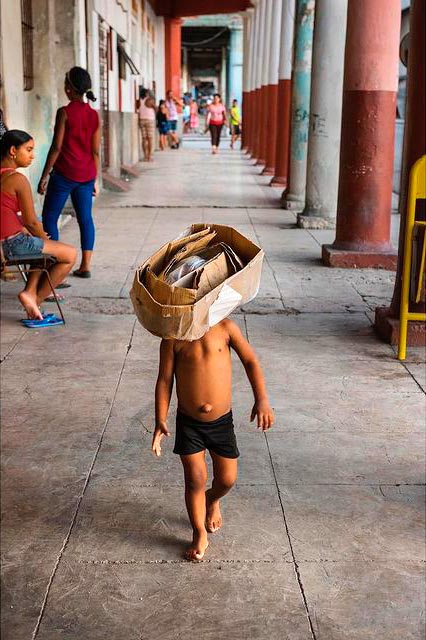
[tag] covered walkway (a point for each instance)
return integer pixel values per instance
(323, 536)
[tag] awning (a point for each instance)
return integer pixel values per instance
(133, 68)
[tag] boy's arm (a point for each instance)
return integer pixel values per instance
(261, 409)
(163, 393)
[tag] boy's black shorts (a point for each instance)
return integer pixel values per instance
(193, 436)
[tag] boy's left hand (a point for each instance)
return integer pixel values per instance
(264, 413)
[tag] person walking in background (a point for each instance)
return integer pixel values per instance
(72, 165)
(194, 120)
(162, 124)
(146, 112)
(172, 103)
(24, 235)
(186, 118)
(235, 123)
(216, 118)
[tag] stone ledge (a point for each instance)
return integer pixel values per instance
(114, 184)
(133, 171)
(345, 259)
(315, 222)
(387, 328)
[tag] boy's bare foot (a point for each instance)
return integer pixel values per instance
(198, 547)
(213, 515)
(30, 305)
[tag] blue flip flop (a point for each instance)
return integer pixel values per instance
(48, 320)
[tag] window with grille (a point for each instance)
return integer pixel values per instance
(27, 43)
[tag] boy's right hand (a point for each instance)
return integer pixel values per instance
(161, 430)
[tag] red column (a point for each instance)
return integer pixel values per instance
(367, 142)
(254, 125)
(261, 150)
(172, 27)
(244, 110)
(246, 122)
(271, 130)
(386, 322)
(282, 123)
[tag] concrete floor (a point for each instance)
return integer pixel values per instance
(324, 534)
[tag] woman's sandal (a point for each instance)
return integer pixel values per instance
(51, 298)
(48, 320)
(81, 274)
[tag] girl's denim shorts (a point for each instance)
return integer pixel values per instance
(22, 245)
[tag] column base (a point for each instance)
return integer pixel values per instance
(277, 181)
(387, 328)
(315, 222)
(292, 203)
(347, 259)
(268, 171)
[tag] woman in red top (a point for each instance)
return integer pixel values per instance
(216, 118)
(72, 164)
(25, 235)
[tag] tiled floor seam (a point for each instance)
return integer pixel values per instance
(183, 206)
(274, 275)
(294, 562)
(182, 561)
(81, 496)
(377, 561)
(12, 349)
(402, 363)
(140, 250)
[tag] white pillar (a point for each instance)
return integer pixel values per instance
(301, 90)
(254, 45)
(247, 43)
(257, 115)
(325, 115)
(267, 33)
(288, 18)
(274, 42)
(272, 87)
(223, 76)
(263, 112)
(235, 82)
(259, 42)
(284, 93)
(185, 74)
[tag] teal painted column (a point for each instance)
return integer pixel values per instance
(235, 73)
(294, 197)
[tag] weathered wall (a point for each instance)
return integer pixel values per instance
(124, 144)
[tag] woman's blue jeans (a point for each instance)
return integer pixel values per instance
(58, 189)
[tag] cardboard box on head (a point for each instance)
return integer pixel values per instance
(188, 312)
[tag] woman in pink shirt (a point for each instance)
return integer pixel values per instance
(216, 118)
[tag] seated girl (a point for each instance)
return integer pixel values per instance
(24, 235)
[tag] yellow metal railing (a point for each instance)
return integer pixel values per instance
(417, 191)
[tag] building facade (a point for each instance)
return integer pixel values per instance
(120, 42)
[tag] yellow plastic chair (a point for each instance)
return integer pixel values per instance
(416, 191)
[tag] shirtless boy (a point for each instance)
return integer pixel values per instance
(203, 373)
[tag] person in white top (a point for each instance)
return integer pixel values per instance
(172, 105)
(146, 112)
